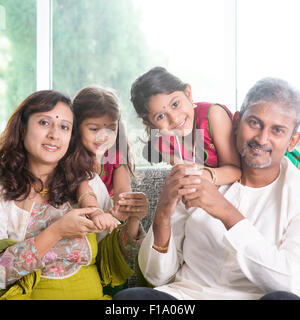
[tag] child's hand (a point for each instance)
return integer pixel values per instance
(131, 204)
(104, 220)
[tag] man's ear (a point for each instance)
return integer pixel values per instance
(235, 121)
(294, 141)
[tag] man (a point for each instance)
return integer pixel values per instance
(240, 241)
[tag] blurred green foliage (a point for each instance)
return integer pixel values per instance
(17, 53)
(94, 42)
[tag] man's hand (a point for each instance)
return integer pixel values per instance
(208, 198)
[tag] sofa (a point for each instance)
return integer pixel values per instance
(149, 180)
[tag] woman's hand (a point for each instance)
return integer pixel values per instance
(74, 224)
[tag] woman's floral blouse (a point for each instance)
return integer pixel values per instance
(66, 256)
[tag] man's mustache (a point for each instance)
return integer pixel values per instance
(254, 144)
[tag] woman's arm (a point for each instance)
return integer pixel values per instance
(26, 256)
(228, 170)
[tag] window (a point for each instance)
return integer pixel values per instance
(221, 47)
(267, 42)
(17, 54)
(111, 42)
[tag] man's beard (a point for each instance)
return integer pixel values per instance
(253, 144)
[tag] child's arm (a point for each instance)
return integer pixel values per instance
(138, 208)
(121, 181)
(87, 198)
(228, 170)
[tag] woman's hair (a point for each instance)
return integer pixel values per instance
(95, 102)
(15, 178)
(273, 90)
(157, 80)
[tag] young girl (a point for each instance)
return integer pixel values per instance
(165, 103)
(104, 146)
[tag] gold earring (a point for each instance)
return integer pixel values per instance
(194, 105)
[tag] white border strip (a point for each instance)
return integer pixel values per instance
(44, 45)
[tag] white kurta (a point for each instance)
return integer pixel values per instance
(257, 255)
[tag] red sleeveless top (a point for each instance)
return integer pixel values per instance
(110, 164)
(205, 151)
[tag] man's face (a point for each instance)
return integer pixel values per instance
(264, 134)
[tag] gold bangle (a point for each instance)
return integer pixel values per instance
(84, 195)
(154, 246)
(212, 174)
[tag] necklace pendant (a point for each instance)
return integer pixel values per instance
(44, 192)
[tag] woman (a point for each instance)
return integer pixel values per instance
(48, 248)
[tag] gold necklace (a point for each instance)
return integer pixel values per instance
(43, 192)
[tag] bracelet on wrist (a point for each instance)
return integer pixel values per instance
(84, 195)
(154, 246)
(212, 174)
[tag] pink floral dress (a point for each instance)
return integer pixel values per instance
(63, 260)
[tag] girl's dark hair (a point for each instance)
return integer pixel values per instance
(92, 102)
(15, 178)
(157, 80)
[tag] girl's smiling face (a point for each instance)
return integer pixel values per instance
(173, 113)
(98, 134)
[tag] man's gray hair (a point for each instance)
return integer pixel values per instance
(273, 90)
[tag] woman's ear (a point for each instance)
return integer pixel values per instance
(188, 92)
(294, 141)
(235, 121)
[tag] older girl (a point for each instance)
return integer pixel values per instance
(165, 103)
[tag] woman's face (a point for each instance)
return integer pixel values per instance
(48, 135)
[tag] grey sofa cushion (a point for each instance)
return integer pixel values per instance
(149, 180)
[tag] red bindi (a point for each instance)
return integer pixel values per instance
(56, 117)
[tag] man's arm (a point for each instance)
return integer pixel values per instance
(160, 255)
